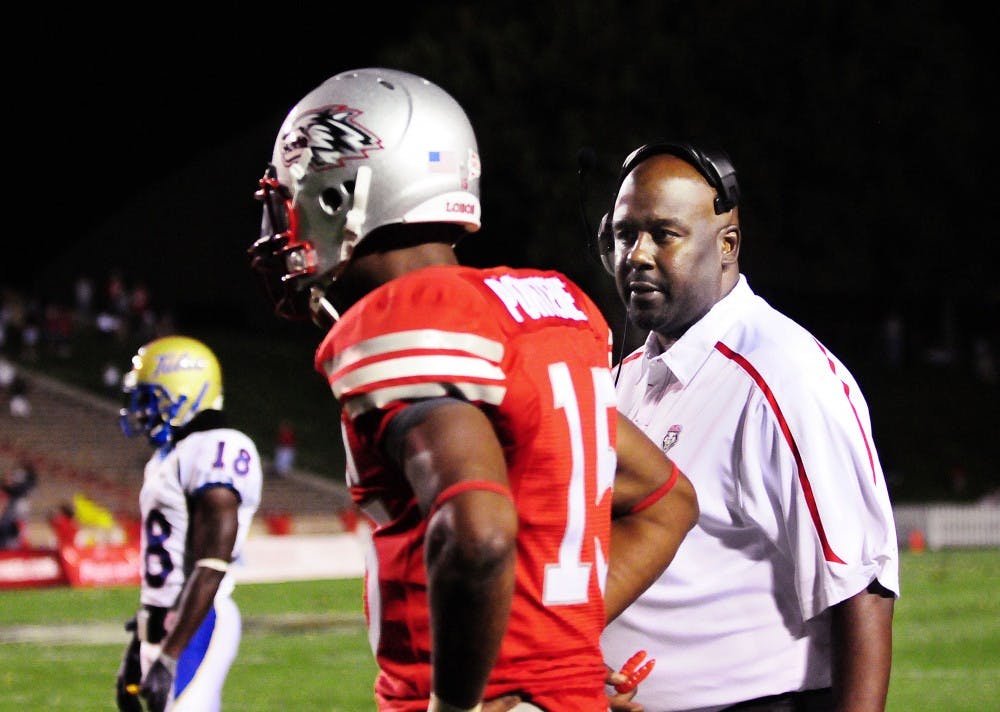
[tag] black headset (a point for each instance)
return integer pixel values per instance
(710, 160)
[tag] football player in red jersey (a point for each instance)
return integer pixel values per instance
(516, 512)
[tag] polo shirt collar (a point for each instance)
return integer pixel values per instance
(688, 353)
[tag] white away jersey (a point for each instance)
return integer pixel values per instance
(206, 458)
(795, 515)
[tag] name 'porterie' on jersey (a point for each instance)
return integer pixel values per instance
(533, 360)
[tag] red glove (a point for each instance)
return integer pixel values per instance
(634, 673)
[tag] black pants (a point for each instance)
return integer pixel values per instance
(805, 701)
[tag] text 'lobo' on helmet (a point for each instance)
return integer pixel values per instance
(367, 148)
(173, 378)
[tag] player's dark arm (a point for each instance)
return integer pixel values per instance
(651, 517)
(211, 539)
(862, 649)
(455, 464)
(211, 535)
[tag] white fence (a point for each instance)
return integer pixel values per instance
(946, 526)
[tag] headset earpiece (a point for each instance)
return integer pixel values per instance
(606, 244)
(712, 162)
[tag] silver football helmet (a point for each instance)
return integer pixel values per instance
(367, 148)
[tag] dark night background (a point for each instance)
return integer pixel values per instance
(859, 132)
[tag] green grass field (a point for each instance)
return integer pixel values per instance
(305, 647)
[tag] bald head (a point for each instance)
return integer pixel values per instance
(688, 185)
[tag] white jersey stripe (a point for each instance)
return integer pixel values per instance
(433, 366)
(472, 392)
(431, 339)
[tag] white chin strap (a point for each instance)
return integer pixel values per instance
(319, 304)
(355, 221)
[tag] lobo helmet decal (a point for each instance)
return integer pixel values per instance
(670, 439)
(326, 138)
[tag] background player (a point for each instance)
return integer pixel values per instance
(477, 409)
(781, 597)
(200, 490)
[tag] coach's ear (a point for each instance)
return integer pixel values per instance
(729, 241)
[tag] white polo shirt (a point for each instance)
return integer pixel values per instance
(795, 515)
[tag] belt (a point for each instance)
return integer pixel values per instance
(149, 623)
(820, 700)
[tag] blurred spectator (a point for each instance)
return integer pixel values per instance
(58, 330)
(64, 525)
(31, 332)
(20, 406)
(284, 449)
(141, 317)
(116, 294)
(111, 377)
(17, 485)
(8, 372)
(113, 316)
(13, 314)
(83, 294)
(108, 323)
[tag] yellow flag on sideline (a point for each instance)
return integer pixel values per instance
(90, 514)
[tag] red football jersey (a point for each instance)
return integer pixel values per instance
(534, 353)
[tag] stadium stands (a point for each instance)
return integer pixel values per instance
(74, 440)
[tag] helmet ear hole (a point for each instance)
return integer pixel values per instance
(331, 201)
